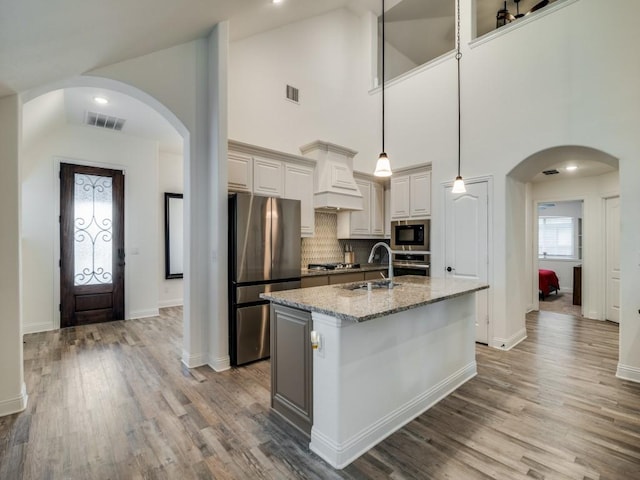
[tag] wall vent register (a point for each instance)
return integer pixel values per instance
(104, 121)
(293, 94)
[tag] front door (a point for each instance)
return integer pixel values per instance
(467, 245)
(91, 244)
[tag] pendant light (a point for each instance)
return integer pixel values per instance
(458, 184)
(383, 166)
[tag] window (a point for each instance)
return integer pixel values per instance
(557, 237)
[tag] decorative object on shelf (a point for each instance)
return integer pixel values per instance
(383, 166)
(504, 16)
(458, 184)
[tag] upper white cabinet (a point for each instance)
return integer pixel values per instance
(368, 222)
(298, 184)
(240, 172)
(274, 174)
(400, 197)
(411, 195)
(387, 213)
(420, 194)
(377, 209)
(268, 177)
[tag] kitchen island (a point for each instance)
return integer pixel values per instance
(383, 357)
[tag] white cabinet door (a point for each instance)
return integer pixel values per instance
(400, 197)
(420, 189)
(377, 209)
(298, 185)
(387, 213)
(368, 222)
(268, 177)
(361, 220)
(240, 173)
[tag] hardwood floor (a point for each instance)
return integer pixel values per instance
(112, 401)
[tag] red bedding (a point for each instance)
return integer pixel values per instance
(548, 281)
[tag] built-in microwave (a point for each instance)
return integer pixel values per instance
(410, 235)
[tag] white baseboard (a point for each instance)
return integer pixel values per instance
(176, 302)
(16, 404)
(220, 364)
(151, 312)
(509, 343)
(626, 372)
(193, 361)
(37, 327)
(342, 454)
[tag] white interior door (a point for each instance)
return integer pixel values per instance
(612, 247)
(467, 245)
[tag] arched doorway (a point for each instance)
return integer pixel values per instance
(593, 181)
(52, 100)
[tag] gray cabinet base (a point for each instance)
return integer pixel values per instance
(291, 366)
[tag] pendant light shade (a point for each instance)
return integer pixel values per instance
(458, 184)
(383, 166)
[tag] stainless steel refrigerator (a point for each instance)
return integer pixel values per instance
(264, 256)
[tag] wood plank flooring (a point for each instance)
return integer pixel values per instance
(112, 401)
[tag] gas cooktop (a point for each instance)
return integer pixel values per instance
(332, 266)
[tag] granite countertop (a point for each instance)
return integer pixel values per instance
(361, 304)
(364, 267)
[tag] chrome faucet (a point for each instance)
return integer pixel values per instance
(382, 244)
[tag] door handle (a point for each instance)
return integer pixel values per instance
(450, 269)
(121, 257)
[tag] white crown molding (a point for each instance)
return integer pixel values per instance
(254, 150)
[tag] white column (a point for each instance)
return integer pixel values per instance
(13, 396)
(218, 217)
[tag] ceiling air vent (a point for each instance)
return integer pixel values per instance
(292, 93)
(550, 172)
(104, 121)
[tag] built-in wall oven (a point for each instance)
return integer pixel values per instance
(410, 241)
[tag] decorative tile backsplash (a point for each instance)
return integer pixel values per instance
(325, 247)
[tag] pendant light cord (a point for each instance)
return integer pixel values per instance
(458, 57)
(383, 76)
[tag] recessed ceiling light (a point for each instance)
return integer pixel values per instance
(572, 167)
(276, 1)
(100, 100)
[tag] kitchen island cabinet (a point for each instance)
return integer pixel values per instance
(384, 356)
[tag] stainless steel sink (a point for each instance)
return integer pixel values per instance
(370, 285)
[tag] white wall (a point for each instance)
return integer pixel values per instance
(592, 190)
(40, 234)
(328, 57)
(542, 82)
(170, 180)
(554, 208)
(13, 396)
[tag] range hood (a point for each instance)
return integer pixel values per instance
(335, 188)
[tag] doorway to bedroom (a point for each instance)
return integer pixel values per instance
(560, 247)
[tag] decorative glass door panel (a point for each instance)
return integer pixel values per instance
(91, 245)
(93, 230)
